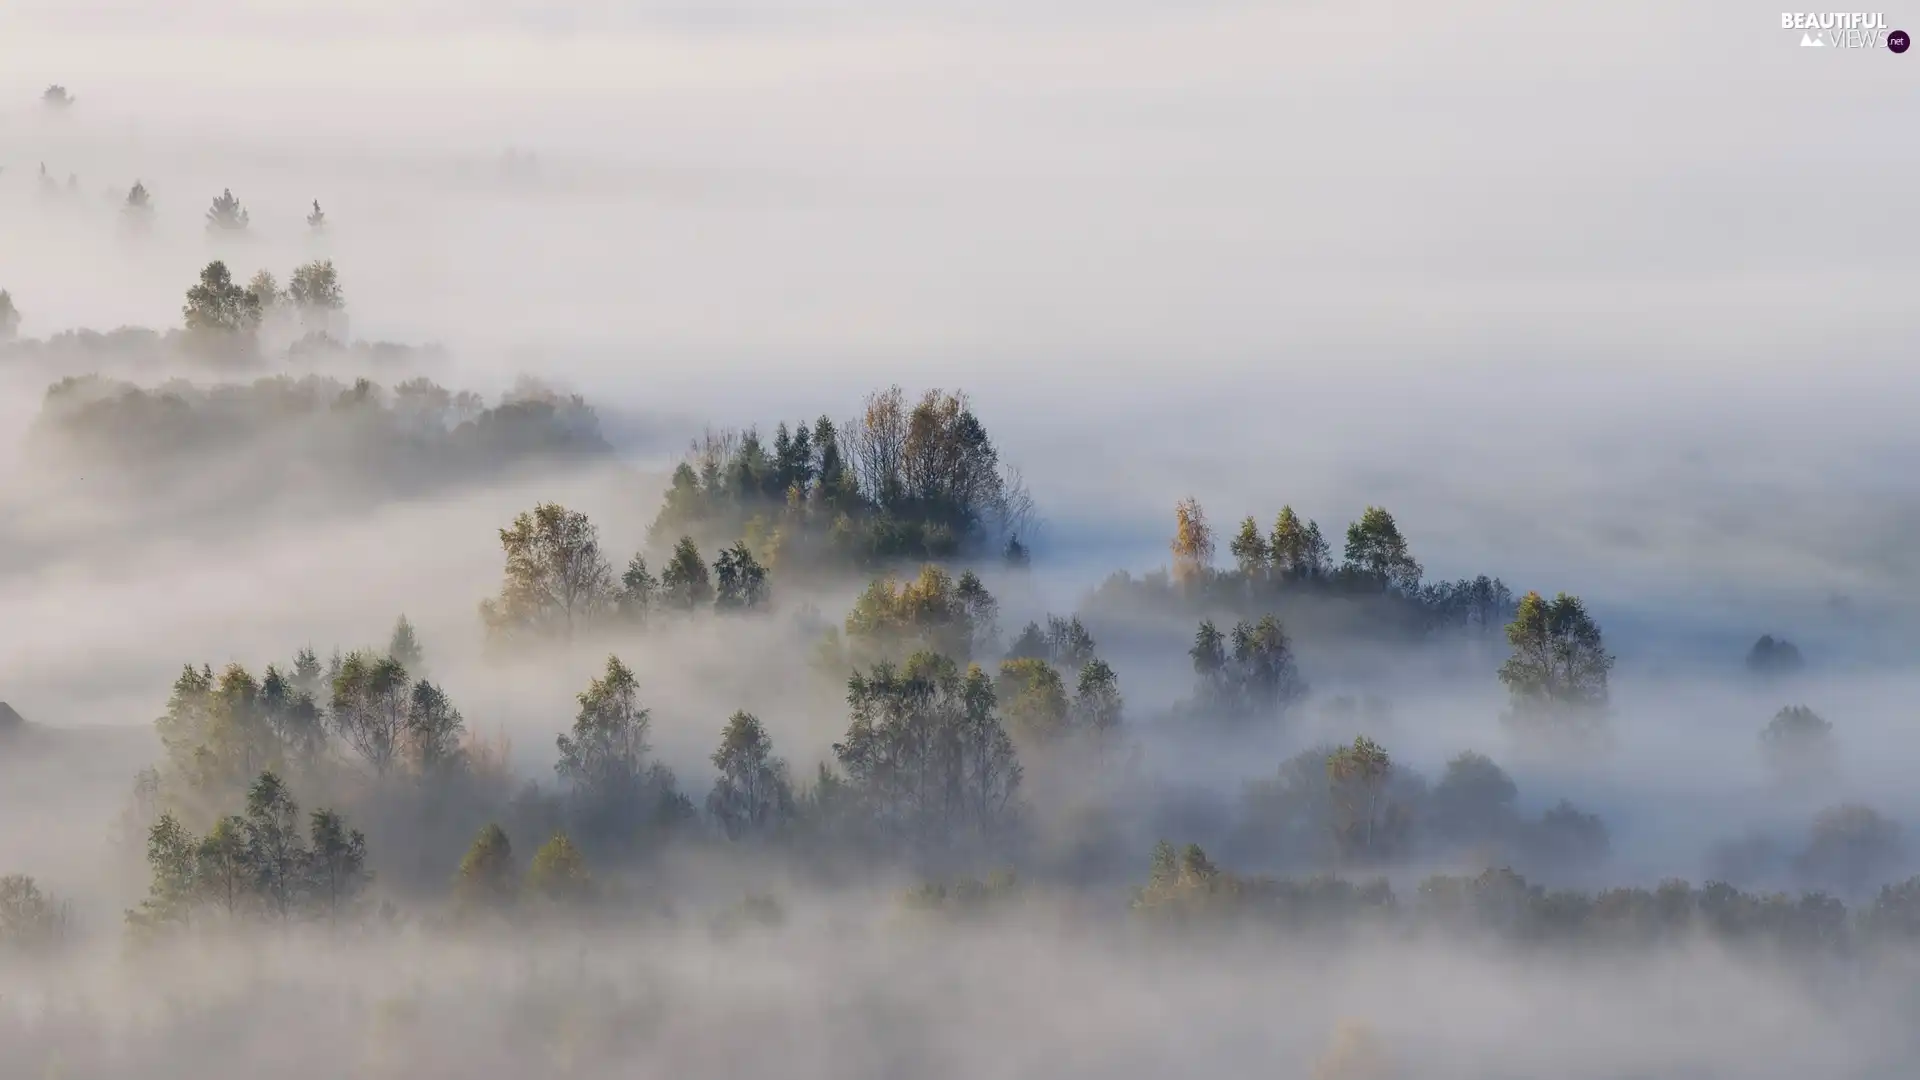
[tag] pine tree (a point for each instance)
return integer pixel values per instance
(741, 580)
(317, 221)
(227, 215)
(9, 317)
(404, 647)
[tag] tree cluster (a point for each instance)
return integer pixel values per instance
(1292, 565)
(904, 480)
(557, 582)
(255, 864)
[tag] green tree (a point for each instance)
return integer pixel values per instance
(741, 580)
(1559, 664)
(369, 707)
(556, 578)
(223, 870)
(220, 313)
(274, 851)
(1097, 704)
(1377, 553)
(337, 860)
(174, 888)
(684, 582)
(752, 793)
(603, 759)
(433, 730)
(1358, 776)
(1251, 553)
(487, 880)
(926, 757)
(227, 215)
(639, 591)
(1296, 548)
(1264, 672)
(265, 292)
(404, 647)
(30, 920)
(1209, 654)
(314, 290)
(559, 874)
(1033, 699)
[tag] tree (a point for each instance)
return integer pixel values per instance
(1097, 704)
(1034, 699)
(274, 851)
(1849, 846)
(1798, 743)
(227, 215)
(1192, 542)
(30, 920)
(1559, 664)
(317, 221)
(741, 580)
(487, 880)
(403, 646)
(1209, 655)
(1771, 656)
(56, 97)
(603, 758)
(139, 206)
(314, 292)
(370, 707)
(220, 312)
(175, 886)
(1267, 678)
(1377, 553)
(1251, 554)
(1293, 550)
(433, 730)
(1473, 802)
(223, 870)
(337, 858)
(556, 578)
(9, 317)
(265, 292)
(1358, 775)
(684, 582)
(559, 874)
(925, 755)
(752, 793)
(639, 591)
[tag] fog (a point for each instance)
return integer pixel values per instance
(1609, 302)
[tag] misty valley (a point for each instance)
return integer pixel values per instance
(574, 625)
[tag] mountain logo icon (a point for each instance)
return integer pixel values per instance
(1808, 41)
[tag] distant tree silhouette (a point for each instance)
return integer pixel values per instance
(139, 205)
(227, 215)
(9, 317)
(1774, 656)
(56, 97)
(317, 221)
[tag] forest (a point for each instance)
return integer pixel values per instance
(939, 544)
